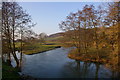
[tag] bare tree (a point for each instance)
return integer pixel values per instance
(42, 37)
(14, 20)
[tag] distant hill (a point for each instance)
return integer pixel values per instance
(54, 37)
(56, 34)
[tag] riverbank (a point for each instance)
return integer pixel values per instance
(40, 51)
(89, 57)
(34, 48)
(9, 72)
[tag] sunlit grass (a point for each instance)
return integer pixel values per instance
(33, 48)
(91, 55)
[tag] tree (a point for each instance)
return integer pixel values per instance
(6, 29)
(42, 37)
(14, 20)
(112, 20)
(78, 24)
(72, 29)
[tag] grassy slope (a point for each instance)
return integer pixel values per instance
(9, 72)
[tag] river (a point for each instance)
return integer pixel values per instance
(56, 64)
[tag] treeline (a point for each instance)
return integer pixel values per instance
(94, 33)
(16, 23)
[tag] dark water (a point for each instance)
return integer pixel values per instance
(56, 64)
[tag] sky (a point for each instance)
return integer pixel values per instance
(48, 15)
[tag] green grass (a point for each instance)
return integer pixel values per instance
(54, 38)
(40, 48)
(36, 47)
(32, 47)
(9, 72)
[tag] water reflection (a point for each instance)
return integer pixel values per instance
(97, 70)
(115, 74)
(78, 69)
(56, 64)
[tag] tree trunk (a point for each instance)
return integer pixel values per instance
(13, 25)
(79, 43)
(21, 51)
(98, 57)
(96, 41)
(97, 70)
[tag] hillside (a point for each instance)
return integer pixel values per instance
(55, 37)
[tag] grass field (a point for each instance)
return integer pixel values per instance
(33, 48)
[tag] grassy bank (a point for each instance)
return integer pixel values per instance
(90, 56)
(33, 48)
(39, 49)
(9, 72)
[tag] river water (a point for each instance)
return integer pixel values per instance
(56, 64)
